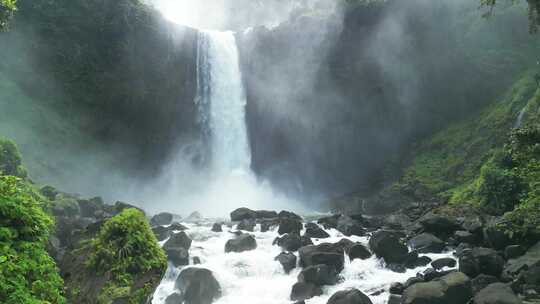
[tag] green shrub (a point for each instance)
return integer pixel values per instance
(28, 275)
(10, 159)
(125, 247)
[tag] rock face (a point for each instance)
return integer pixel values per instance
(453, 288)
(529, 260)
(481, 261)
(319, 275)
(314, 231)
(426, 243)
(325, 253)
(496, 293)
(387, 245)
(177, 249)
(351, 296)
(287, 260)
(289, 225)
(243, 242)
(161, 219)
(303, 291)
(198, 286)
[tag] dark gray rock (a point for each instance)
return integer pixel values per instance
(287, 260)
(198, 286)
(177, 249)
(513, 251)
(243, 214)
(246, 225)
(396, 288)
(265, 214)
(314, 231)
(289, 225)
(289, 242)
(303, 291)
(350, 296)
(177, 227)
(348, 226)
(161, 233)
(463, 236)
(443, 262)
(439, 225)
(329, 221)
(180, 239)
(175, 298)
(394, 299)
(161, 219)
(358, 251)
(482, 281)
(319, 275)
(481, 261)
(196, 260)
(325, 253)
(495, 234)
(243, 242)
(426, 243)
(496, 293)
(217, 227)
(388, 245)
(453, 288)
(415, 261)
(530, 259)
(289, 215)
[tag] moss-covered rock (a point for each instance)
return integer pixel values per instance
(123, 261)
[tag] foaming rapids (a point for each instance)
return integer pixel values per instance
(255, 277)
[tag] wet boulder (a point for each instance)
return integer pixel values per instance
(265, 214)
(177, 249)
(319, 275)
(177, 227)
(426, 243)
(496, 293)
(530, 259)
(161, 219)
(217, 227)
(325, 253)
(358, 251)
(414, 260)
(289, 215)
(198, 286)
(453, 288)
(495, 233)
(513, 251)
(175, 298)
(348, 226)
(329, 221)
(439, 225)
(161, 233)
(462, 236)
(289, 225)
(287, 260)
(350, 296)
(241, 214)
(246, 225)
(242, 242)
(388, 245)
(303, 291)
(481, 261)
(289, 242)
(443, 262)
(314, 231)
(482, 281)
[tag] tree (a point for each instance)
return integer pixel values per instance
(7, 8)
(534, 12)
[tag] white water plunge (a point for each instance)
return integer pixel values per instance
(222, 99)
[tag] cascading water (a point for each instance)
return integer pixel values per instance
(222, 102)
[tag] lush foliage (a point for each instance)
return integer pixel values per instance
(10, 159)
(534, 12)
(7, 8)
(124, 248)
(28, 275)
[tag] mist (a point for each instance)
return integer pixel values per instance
(334, 97)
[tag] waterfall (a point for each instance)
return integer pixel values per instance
(221, 99)
(519, 120)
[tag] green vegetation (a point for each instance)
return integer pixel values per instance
(534, 12)
(10, 159)
(28, 275)
(125, 248)
(490, 163)
(7, 8)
